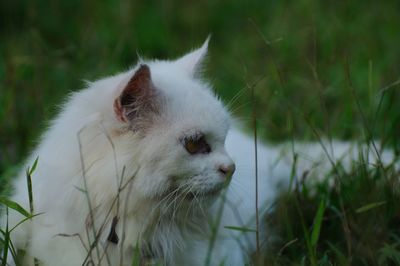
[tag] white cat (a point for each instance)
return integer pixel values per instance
(133, 160)
(138, 162)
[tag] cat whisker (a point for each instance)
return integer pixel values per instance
(237, 185)
(233, 100)
(185, 191)
(243, 119)
(237, 108)
(165, 199)
(195, 194)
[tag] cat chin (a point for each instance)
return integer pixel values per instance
(204, 192)
(199, 195)
(208, 194)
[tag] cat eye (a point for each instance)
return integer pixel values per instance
(196, 144)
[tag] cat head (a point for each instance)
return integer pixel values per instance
(179, 127)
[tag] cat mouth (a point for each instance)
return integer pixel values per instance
(197, 194)
(193, 193)
(205, 194)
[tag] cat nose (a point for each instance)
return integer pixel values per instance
(227, 170)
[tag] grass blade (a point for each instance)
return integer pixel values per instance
(6, 242)
(317, 223)
(33, 168)
(370, 206)
(136, 256)
(241, 229)
(24, 220)
(15, 206)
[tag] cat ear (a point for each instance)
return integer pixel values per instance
(138, 99)
(192, 61)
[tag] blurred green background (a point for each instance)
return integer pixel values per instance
(330, 67)
(314, 59)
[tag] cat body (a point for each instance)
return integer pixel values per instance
(140, 162)
(129, 162)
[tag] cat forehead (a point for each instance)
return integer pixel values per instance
(190, 103)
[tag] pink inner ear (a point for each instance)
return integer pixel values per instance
(136, 96)
(139, 84)
(119, 110)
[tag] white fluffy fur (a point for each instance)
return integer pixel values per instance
(87, 142)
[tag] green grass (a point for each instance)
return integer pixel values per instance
(357, 225)
(318, 68)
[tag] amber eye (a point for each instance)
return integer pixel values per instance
(196, 144)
